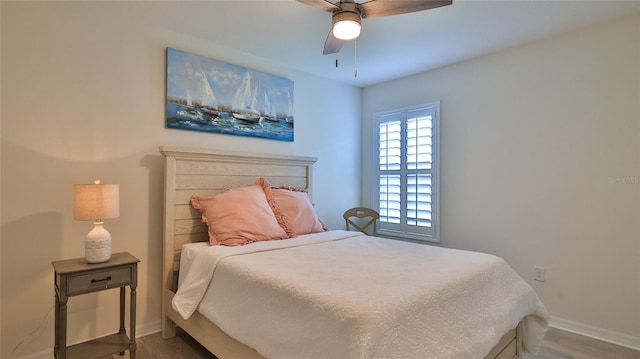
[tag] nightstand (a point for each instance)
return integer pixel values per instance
(76, 277)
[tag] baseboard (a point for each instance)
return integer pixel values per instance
(604, 335)
(141, 331)
(148, 328)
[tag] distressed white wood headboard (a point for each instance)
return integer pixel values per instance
(194, 171)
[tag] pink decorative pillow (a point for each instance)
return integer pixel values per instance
(293, 209)
(238, 216)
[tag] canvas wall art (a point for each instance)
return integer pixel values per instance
(213, 96)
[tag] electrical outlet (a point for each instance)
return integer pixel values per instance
(538, 273)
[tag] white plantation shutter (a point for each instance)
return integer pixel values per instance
(407, 172)
(390, 164)
(390, 198)
(419, 200)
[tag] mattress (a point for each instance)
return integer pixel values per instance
(341, 294)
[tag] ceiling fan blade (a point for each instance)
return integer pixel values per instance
(380, 8)
(332, 45)
(321, 4)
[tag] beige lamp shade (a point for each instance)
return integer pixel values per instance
(94, 202)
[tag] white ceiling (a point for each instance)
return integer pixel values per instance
(293, 34)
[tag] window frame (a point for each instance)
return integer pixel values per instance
(400, 231)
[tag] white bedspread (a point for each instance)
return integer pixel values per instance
(343, 295)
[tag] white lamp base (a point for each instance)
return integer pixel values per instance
(97, 246)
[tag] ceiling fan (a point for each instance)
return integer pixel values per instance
(347, 16)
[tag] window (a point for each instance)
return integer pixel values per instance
(407, 172)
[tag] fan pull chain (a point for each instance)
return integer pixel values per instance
(336, 59)
(355, 58)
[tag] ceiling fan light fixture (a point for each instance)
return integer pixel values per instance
(346, 25)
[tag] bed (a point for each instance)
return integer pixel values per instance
(200, 172)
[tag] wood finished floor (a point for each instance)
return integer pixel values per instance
(557, 345)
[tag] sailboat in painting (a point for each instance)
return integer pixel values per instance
(209, 102)
(269, 112)
(289, 116)
(245, 104)
(203, 103)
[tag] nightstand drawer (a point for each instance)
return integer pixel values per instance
(98, 280)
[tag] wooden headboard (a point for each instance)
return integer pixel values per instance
(191, 171)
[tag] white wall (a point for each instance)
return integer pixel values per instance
(541, 165)
(83, 88)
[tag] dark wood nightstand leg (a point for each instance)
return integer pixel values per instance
(122, 309)
(62, 328)
(122, 303)
(56, 327)
(132, 340)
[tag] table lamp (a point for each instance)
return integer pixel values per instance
(95, 202)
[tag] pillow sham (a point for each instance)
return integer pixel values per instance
(238, 216)
(293, 209)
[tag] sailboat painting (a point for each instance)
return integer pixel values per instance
(213, 96)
